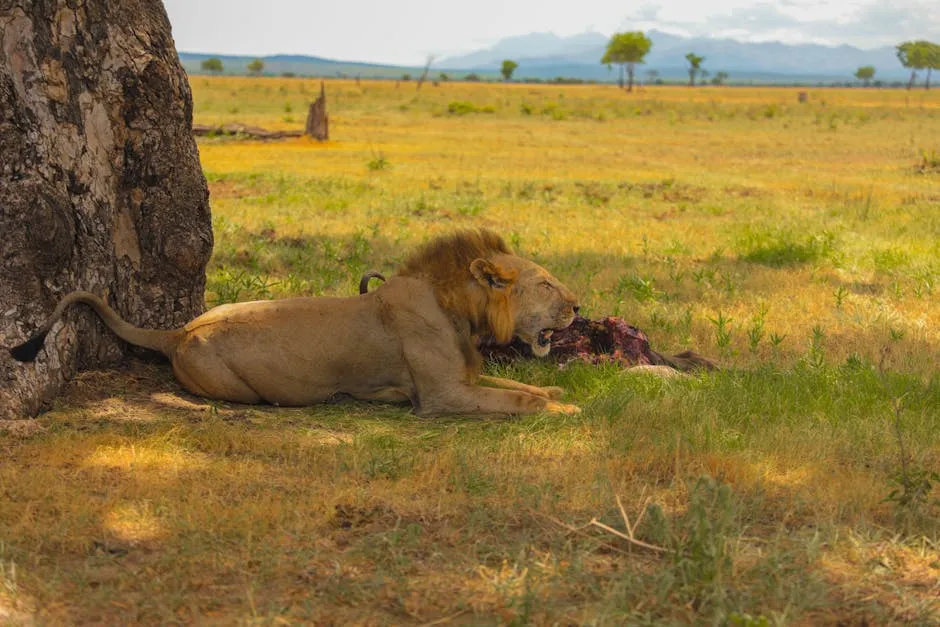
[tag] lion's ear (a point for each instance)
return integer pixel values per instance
(489, 274)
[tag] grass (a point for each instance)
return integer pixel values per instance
(796, 243)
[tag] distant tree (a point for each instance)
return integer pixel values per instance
(652, 75)
(626, 50)
(472, 77)
(914, 56)
(212, 65)
(933, 60)
(720, 78)
(406, 77)
(509, 66)
(256, 67)
(443, 77)
(424, 74)
(695, 66)
(865, 74)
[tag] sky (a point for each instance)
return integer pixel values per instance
(406, 32)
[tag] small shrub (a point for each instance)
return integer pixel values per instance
(527, 191)
(378, 162)
(641, 288)
(461, 107)
(890, 260)
(755, 332)
(230, 286)
(470, 205)
(526, 109)
(816, 356)
(912, 484)
(596, 194)
(701, 544)
(778, 248)
(722, 330)
(552, 109)
(929, 161)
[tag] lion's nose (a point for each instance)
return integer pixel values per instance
(576, 308)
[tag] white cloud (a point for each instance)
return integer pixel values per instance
(865, 24)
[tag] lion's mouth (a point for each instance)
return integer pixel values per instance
(545, 337)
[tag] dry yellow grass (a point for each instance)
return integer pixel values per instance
(814, 224)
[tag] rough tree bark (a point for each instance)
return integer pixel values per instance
(317, 120)
(100, 183)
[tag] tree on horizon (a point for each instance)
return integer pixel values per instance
(424, 74)
(720, 78)
(626, 50)
(213, 65)
(509, 66)
(933, 60)
(256, 67)
(919, 55)
(695, 66)
(865, 74)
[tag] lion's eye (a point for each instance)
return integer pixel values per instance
(546, 284)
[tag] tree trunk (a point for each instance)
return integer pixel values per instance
(910, 83)
(630, 76)
(317, 120)
(927, 81)
(100, 184)
(620, 78)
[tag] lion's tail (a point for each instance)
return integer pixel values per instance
(162, 341)
(364, 281)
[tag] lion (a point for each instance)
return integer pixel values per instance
(413, 339)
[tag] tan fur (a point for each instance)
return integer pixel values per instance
(411, 339)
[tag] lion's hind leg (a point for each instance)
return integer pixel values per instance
(205, 374)
(388, 395)
(476, 399)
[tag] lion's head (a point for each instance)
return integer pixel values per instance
(477, 277)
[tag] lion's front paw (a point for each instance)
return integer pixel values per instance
(563, 408)
(553, 392)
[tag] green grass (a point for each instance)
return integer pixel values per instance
(795, 244)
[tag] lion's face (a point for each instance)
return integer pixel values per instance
(525, 300)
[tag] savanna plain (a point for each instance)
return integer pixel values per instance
(797, 244)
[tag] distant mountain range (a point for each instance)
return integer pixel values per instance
(300, 65)
(544, 55)
(547, 56)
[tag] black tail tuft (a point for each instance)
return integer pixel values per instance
(364, 281)
(28, 350)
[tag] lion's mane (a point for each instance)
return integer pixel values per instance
(445, 264)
